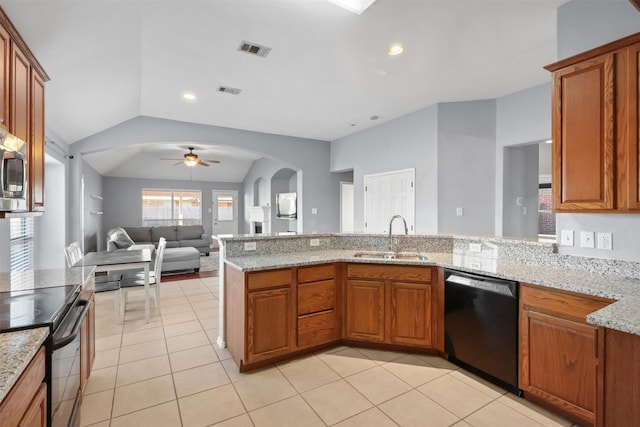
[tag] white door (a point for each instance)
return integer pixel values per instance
(224, 212)
(346, 207)
(388, 194)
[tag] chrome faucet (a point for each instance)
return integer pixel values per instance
(406, 232)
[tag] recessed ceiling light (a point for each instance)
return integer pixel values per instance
(396, 49)
(548, 141)
(189, 96)
(355, 6)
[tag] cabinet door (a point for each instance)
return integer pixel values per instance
(559, 363)
(583, 136)
(20, 94)
(36, 145)
(410, 314)
(5, 52)
(365, 310)
(269, 324)
(632, 166)
(36, 415)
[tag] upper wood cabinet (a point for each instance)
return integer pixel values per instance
(22, 87)
(595, 129)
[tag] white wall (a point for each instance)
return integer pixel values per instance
(410, 141)
(466, 167)
(50, 228)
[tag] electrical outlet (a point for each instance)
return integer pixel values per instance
(566, 237)
(586, 239)
(314, 242)
(249, 246)
(605, 241)
(475, 247)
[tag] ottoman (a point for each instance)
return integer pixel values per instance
(187, 258)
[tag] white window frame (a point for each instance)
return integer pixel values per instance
(173, 220)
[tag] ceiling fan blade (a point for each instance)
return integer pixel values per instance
(201, 163)
(164, 158)
(175, 164)
(211, 161)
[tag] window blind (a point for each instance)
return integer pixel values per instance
(21, 242)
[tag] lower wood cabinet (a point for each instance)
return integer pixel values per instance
(621, 386)
(561, 356)
(87, 340)
(269, 323)
(317, 308)
(391, 304)
(26, 403)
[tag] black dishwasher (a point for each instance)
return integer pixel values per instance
(481, 326)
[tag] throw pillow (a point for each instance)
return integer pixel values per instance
(120, 238)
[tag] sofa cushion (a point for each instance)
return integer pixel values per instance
(173, 244)
(139, 234)
(195, 243)
(120, 238)
(190, 232)
(168, 232)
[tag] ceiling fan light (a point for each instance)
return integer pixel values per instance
(190, 162)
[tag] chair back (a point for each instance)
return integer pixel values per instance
(72, 253)
(157, 266)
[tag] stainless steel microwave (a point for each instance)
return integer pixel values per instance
(13, 173)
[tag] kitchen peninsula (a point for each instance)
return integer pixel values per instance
(267, 288)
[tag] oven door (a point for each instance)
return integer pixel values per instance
(65, 368)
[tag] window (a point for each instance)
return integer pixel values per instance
(225, 208)
(167, 207)
(546, 217)
(21, 241)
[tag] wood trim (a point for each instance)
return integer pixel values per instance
(636, 4)
(600, 50)
(17, 39)
(628, 121)
(567, 305)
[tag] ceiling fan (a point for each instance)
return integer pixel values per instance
(190, 159)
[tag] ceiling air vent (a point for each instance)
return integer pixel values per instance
(231, 90)
(254, 48)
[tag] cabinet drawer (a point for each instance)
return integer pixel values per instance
(316, 273)
(269, 279)
(560, 303)
(317, 328)
(390, 272)
(316, 296)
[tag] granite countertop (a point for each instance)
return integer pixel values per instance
(16, 351)
(621, 315)
(36, 279)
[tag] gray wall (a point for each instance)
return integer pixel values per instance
(523, 117)
(122, 202)
(317, 186)
(521, 186)
(466, 167)
(582, 25)
(94, 235)
(410, 141)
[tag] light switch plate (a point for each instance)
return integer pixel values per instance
(249, 246)
(566, 237)
(605, 241)
(587, 239)
(459, 211)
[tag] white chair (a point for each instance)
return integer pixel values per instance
(72, 253)
(136, 280)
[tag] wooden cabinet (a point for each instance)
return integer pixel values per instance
(391, 304)
(87, 340)
(316, 305)
(26, 403)
(22, 86)
(36, 145)
(260, 315)
(595, 129)
(622, 368)
(560, 354)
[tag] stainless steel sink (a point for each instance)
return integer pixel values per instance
(409, 256)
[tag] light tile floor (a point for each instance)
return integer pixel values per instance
(169, 372)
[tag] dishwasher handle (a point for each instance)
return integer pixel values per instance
(498, 286)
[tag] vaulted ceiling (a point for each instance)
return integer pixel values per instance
(327, 74)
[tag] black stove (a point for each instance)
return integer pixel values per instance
(31, 308)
